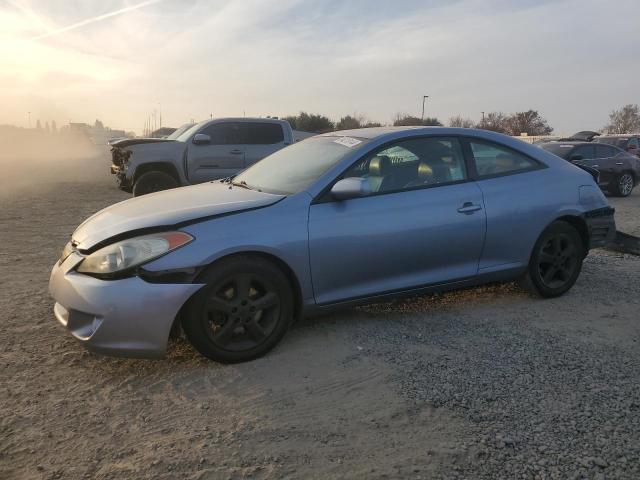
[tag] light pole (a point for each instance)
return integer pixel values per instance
(424, 98)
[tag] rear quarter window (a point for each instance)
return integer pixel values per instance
(492, 159)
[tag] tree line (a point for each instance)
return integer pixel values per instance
(530, 122)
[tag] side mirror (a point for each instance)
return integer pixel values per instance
(201, 139)
(576, 156)
(352, 187)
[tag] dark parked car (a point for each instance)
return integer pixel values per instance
(630, 143)
(619, 170)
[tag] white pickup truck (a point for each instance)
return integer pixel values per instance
(199, 153)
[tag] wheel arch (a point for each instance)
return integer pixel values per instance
(165, 167)
(296, 289)
(580, 225)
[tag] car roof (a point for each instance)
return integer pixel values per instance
(573, 143)
(375, 132)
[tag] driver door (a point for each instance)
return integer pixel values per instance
(417, 229)
(222, 157)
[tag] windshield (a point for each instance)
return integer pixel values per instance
(560, 149)
(179, 131)
(615, 141)
(294, 168)
(189, 132)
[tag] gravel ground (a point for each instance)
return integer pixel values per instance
(483, 383)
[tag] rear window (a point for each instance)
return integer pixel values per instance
(562, 150)
(264, 133)
(492, 159)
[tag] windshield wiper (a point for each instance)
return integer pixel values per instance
(242, 184)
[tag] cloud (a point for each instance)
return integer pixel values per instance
(97, 18)
(572, 60)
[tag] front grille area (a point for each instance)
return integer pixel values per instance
(119, 156)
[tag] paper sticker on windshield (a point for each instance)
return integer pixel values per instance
(348, 142)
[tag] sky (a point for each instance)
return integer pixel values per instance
(65, 60)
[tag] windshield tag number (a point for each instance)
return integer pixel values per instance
(348, 141)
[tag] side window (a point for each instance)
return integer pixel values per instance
(224, 133)
(412, 164)
(264, 133)
(604, 151)
(492, 159)
(587, 152)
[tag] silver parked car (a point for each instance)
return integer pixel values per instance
(339, 219)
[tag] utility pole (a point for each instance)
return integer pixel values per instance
(424, 98)
(29, 113)
(482, 117)
(160, 109)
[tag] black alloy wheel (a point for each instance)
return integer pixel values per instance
(242, 312)
(556, 260)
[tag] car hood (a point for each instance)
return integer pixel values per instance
(127, 142)
(167, 209)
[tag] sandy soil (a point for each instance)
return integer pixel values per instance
(485, 383)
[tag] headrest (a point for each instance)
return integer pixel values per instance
(379, 166)
(425, 171)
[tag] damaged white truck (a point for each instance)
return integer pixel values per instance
(196, 153)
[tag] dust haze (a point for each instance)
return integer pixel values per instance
(30, 159)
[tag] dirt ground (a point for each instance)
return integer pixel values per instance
(485, 383)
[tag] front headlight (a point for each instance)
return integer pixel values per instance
(121, 256)
(68, 250)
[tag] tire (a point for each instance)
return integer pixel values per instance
(556, 261)
(153, 181)
(624, 184)
(243, 311)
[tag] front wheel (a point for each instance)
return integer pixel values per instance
(153, 181)
(624, 184)
(243, 311)
(556, 261)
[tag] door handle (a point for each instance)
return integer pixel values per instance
(468, 208)
(235, 151)
(619, 163)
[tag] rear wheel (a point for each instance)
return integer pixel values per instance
(153, 182)
(624, 184)
(556, 261)
(242, 313)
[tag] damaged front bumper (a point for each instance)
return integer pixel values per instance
(127, 317)
(120, 158)
(601, 225)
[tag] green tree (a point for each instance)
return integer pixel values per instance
(348, 122)
(310, 122)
